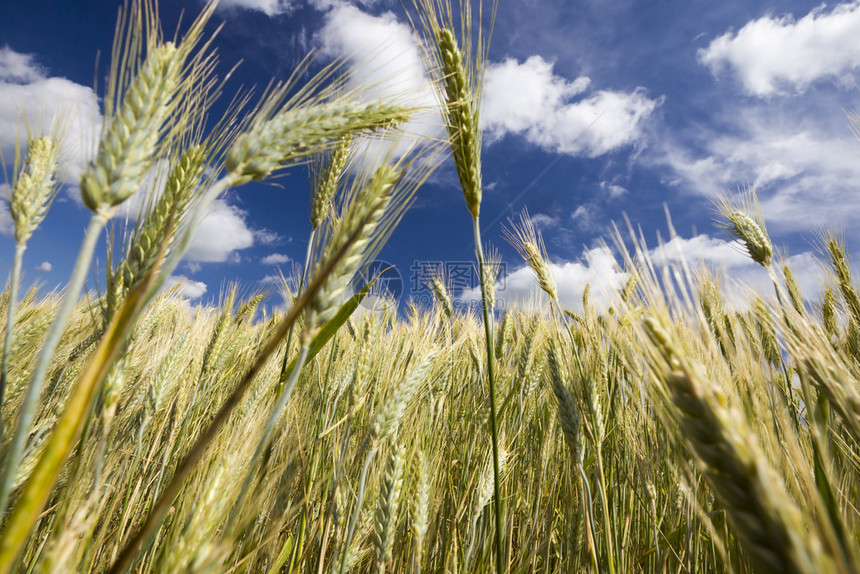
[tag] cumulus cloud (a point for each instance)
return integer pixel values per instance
(521, 98)
(28, 97)
(529, 99)
(44, 266)
(268, 7)
(220, 235)
(775, 54)
(189, 288)
(274, 259)
(383, 51)
(17, 67)
(386, 63)
(596, 267)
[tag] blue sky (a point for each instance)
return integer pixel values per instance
(592, 109)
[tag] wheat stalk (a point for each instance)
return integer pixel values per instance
(32, 193)
(765, 518)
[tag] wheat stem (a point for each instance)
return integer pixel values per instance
(32, 194)
(491, 377)
(12, 308)
(28, 407)
(189, 462)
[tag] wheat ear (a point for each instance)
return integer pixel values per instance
(746, 224)
(36, 187)
(111, 178)
(765, 518)
(32, 193)
(160, 225)
(386, 509)
(129, 141)
(529, 244)
(326, 174)
(421, 510)
(294, 133)
(461, 115)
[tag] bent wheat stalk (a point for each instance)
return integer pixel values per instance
(127, 147)
(189, 462)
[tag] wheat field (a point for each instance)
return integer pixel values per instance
(660, 427)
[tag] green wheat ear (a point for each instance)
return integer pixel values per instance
(128, 144)
(35, 188)
(461, 116)
(296, 132)
(326, 174)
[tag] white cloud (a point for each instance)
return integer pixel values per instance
(7, 226)
(597, 267)
(738, 272)
(274, 259)
(531, 100)
(268, 7)
(386, 63)
(614, 191)
(188, 287)
(806, 176)
(383, 51)
(220, 235)
(271, 280)
(44, 266)
(772, 54)
(544, 221)
(266, 237)
(585, 217)
(17, 67)
(30, 98)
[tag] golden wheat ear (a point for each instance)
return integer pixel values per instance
(744, 222)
